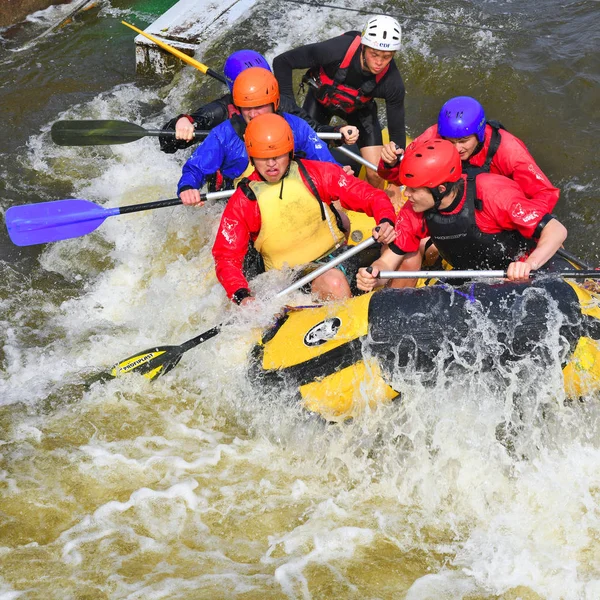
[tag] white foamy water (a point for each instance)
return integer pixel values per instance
(199, 485)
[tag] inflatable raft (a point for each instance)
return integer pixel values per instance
(336, 355)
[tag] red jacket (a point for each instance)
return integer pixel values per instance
(505, 206)
(241, 220)
(511, 160)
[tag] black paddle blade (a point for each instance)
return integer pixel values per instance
(150, 363)
(95, 133)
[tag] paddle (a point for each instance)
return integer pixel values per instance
(184, 57)
(155, 361)
(99, 133)
(594, 274)
(576, 261)
(567, 255)
(45, 222)
(353, 156)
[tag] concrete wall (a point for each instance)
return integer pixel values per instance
(14, 11)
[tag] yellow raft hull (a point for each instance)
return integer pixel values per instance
(334, 356)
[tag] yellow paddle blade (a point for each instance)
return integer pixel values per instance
(150, 363)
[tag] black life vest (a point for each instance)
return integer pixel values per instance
(462, 244)
(333, 93)
(495, 140)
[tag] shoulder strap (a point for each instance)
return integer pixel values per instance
(340, 74)
(239, 125)
(350, 53)
(312, 186)
(496, 124)
(244, 185)
(472, 191)
(315, 192)
(494, 145)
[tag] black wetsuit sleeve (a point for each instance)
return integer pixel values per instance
(391, 88)
(212, 114)
(329, 52)
(206, 117)
(288, 105)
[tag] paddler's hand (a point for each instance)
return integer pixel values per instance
(519, 271)
(391, 154)
(348, 170)
(191, 198)
(367, 281)
(184, 130)
(248, 301)
(384, 233)
(349, 134)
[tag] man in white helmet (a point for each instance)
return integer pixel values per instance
(345, 74)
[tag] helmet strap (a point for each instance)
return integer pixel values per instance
(457, 186)
(363, 60)
(437, 197)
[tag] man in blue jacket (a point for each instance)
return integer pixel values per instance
(255, 92)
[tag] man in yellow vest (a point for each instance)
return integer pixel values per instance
(285, 207)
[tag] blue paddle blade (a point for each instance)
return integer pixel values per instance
(45, 222)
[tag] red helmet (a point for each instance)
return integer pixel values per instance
(268, 136)
(255, 87)
(429, 164)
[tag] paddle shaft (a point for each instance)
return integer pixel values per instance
(480, 274)
(207, 335)
(576, 261)
(561, 252)
(181, 55)
(359, 159)
(200, 133)
(329, 265)
(204, 132)
(123, 210)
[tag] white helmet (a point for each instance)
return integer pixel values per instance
(382, 33)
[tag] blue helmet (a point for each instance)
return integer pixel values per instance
(240, 61)
(460, 117)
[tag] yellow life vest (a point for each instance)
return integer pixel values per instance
(296, 228)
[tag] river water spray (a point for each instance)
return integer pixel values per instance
(198, 486)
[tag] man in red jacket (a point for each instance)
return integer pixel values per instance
(484, 146)
(285, 208)
(476, 221)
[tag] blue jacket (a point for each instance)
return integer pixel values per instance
(224, 150)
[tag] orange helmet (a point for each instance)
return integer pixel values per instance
(429, 164)
(256, 87)
(268, 136)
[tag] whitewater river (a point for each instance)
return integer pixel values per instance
(198, 486)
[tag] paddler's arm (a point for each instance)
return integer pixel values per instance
(357, 195)
(239, 220)
(307, 57)
(553, 234)
(307, 141)
(394, 93)
(389, 163)
(206, 160)
(410, 229)
(366, 277)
